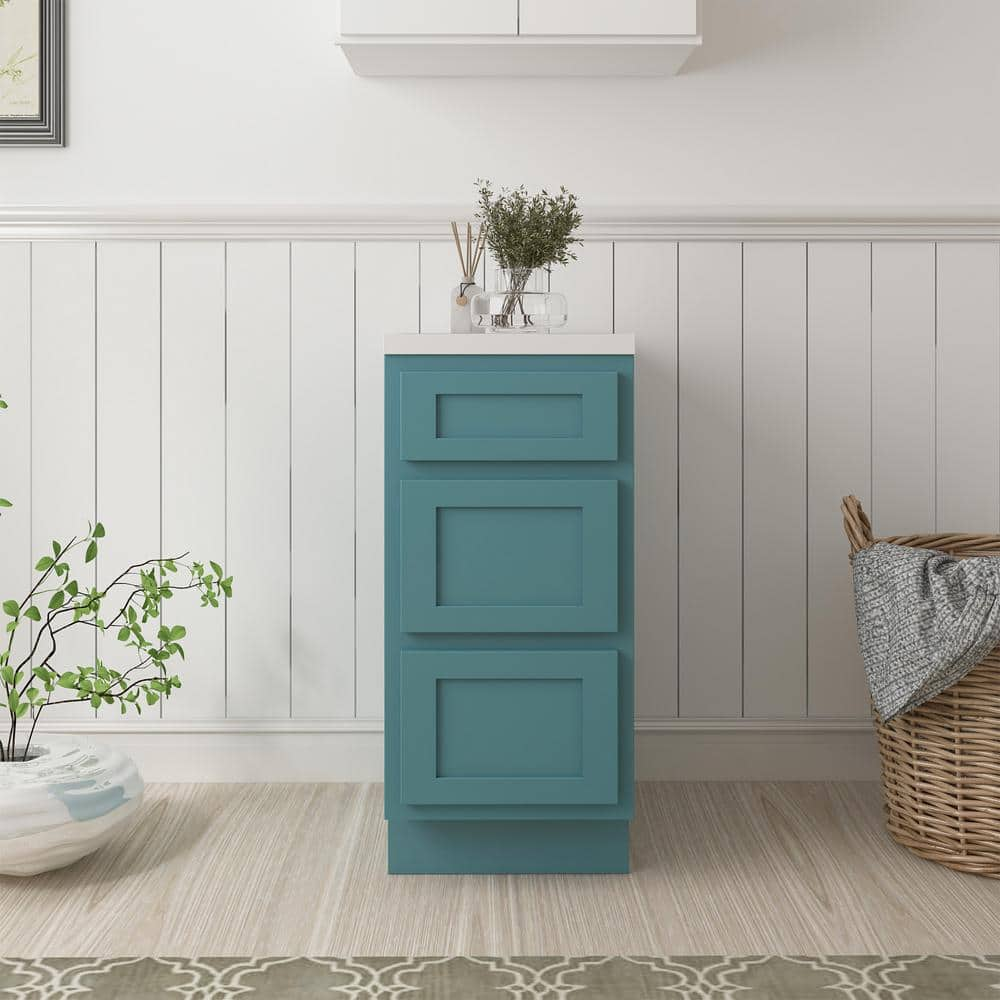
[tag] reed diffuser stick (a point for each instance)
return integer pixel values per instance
(458, 246)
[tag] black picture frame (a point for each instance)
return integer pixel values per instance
(48, 128)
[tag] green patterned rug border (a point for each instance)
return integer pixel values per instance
(705, 977)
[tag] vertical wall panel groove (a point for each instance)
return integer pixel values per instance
(774, 477)
(968, 386)
(387, 301)
(645, 297)
(710, 461)
(193, 454)
(322, 455)
(839, 357)
(257, 505)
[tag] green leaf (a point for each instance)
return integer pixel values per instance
(13, 700)
(68, 680)
(56, 547)
(57, 600)
(178, 632)
(3, 405)
(151, 697)
(42, 673)
(11, 608)
(7, 675)
(72, 588)
(216, 569)
(124, 634)
(44, 563)
(33, 613)
(91, 552)
(22, 710)
(4, 502)
(98, 531)
(96, 700)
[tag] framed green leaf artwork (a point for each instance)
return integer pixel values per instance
(31, 72)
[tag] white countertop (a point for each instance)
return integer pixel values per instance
(509, 343)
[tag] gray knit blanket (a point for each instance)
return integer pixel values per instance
(925, 619)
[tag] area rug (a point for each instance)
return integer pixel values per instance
(792, 977)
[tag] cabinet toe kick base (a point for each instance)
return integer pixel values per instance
(505, 847)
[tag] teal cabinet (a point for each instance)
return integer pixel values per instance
(509, 612)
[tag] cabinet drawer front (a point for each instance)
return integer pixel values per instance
(602, 17)
(509, 416)
(509, 728)
(509, 556)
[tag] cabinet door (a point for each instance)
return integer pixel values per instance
(609, 17)
(509, 728)
(503, 555)
(509, 416)
(437, 17)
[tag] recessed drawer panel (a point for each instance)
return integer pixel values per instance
(509, 416)
(509, 728)
(509, 556)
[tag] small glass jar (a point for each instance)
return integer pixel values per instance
(519, 303)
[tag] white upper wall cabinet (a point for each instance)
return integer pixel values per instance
(518, 37)
(437, 17)
(608, 17)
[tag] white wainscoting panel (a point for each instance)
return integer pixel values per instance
(588, 284)
(968, 386)
(128, 425)
(15, 429)
(258, 479)
(646, 306)
(903, 393)
(224, 395)
(839, 463)
(710, 536)
(322, 462)
(193, 481)
(63, 416)
(774, 479)
(439, 274)
(387, 301)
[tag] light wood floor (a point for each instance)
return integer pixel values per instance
(300, 869)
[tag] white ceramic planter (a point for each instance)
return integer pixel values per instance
(63, 804)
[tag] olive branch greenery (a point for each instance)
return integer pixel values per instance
(525, 232)
(57, 603)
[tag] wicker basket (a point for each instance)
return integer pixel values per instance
(941, 761)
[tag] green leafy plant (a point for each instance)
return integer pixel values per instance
(130, 607)
(525, 232)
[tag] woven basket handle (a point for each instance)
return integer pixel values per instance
(857, 527)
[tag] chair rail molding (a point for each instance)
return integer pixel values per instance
(395, 222)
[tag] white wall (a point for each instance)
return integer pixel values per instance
(818, 102)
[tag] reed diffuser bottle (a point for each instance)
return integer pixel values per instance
(464, 292)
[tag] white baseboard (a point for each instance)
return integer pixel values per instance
(351, 750)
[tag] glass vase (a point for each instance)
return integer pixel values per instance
(519, 302)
